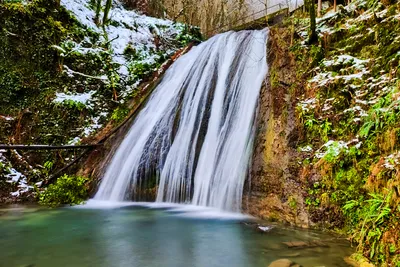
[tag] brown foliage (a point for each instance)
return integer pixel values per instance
(141, 5)
(209, 15)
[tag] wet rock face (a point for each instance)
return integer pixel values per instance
(274, 190)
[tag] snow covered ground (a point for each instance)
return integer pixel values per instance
(13, 176)
(126, 27)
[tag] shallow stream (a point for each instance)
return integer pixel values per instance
(152, 235)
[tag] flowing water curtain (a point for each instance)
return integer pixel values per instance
(223, 162)
(194, 138)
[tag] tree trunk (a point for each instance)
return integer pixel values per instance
(107, 11)
(46, 147)
(313, 33)
(319, 8)
(98, 9)
(334, 5)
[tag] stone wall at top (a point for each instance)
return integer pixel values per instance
(262, 8)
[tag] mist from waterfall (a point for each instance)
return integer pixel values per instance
(193, 139)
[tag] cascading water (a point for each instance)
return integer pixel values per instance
(194, 137)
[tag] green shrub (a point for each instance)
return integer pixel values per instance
(130, 52)
(119, 114)
(67, 190)
(373, 220)
(72, 104)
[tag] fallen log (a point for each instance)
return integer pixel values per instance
(47, 147)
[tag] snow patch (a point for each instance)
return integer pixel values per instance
(326, 78)
(346, 60)
(6, 118)
(72, 73)
(126, 28)
(392, 161)
(332, 148)
(308, 104)
(13, 176)
(306, 149)
(95, 124)
(83, 98)
(75, 141)
(357, 110)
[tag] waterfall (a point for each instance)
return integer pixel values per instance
(194, 137)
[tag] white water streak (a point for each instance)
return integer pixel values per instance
(195, 135)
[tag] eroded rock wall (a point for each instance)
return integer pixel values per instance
(274, 189)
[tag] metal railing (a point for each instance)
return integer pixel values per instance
(257, 15)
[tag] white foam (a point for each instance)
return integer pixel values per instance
(265, 228)
(102, 204)
(174, 209)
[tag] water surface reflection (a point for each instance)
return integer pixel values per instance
(141, 236)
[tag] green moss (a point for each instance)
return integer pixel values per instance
(316, 53)
(119, 114)
(130, 52)
(292, 202)
(365, 118)
(189, 34)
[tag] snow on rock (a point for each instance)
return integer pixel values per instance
(379, 83)
(307, 148)
(23, 187)
(327, 108)
(326, 78)
(95, 124)
(75, 141)
(350, 77)
(392, 161)
(332, 148)
(322, 78)
(307, 104)
(13, 176)
(327, 16)
(324, 29)
(357, 110)
(346, 60)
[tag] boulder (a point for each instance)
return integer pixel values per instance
(302, 244)
(283, 263)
